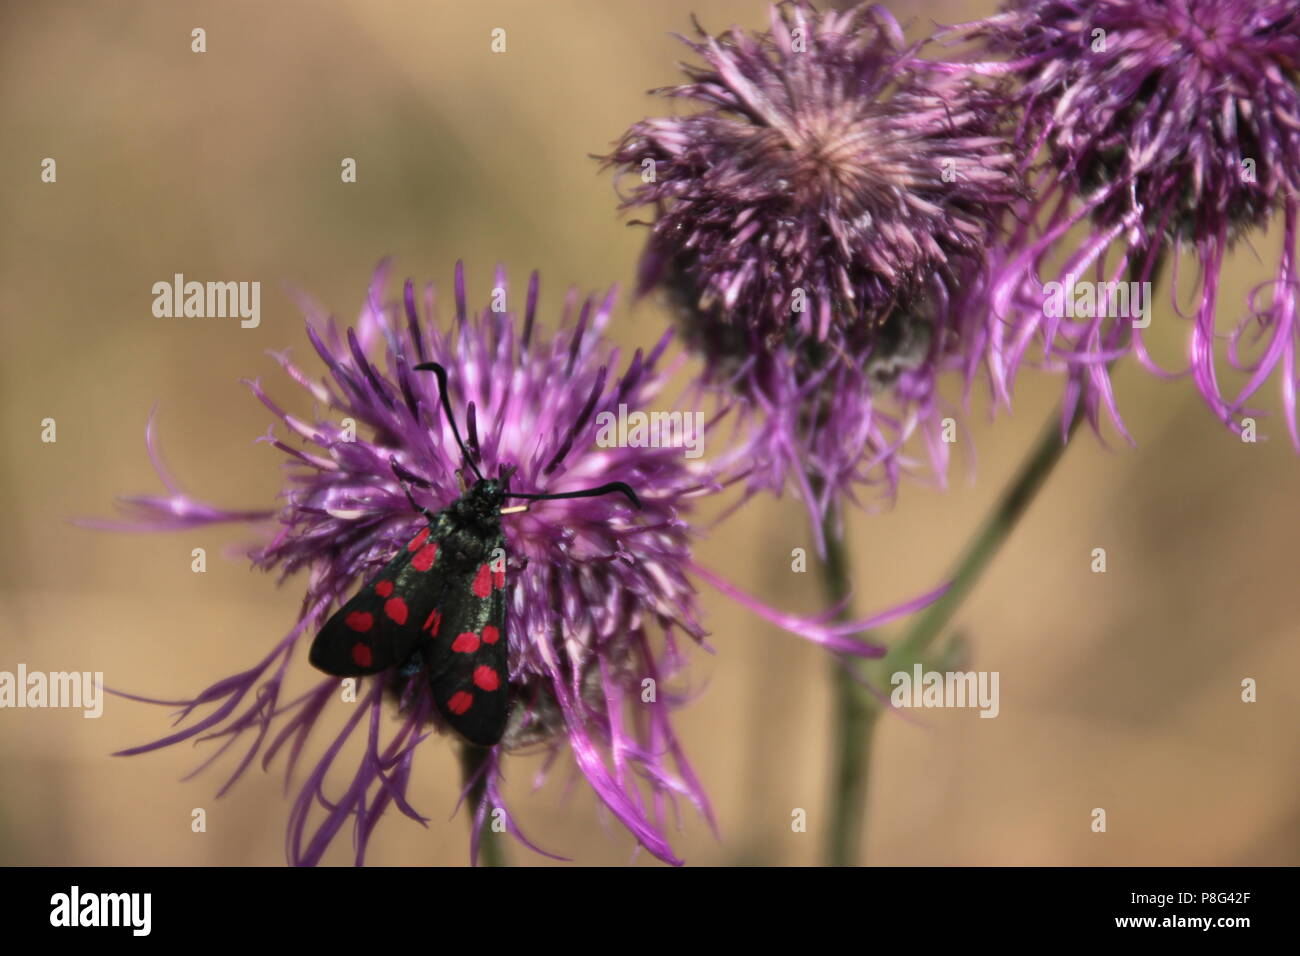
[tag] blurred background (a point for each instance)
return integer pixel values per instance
(1118, 690)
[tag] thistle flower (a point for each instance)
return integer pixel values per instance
(1167, 126)
(814, 220)
(599, 599)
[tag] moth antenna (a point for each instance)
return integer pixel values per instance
(614, 486)
(441, 372)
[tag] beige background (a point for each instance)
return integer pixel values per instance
(1118, 690)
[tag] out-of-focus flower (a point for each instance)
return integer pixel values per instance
(815, 217)
(599, 596)
(1165, 127)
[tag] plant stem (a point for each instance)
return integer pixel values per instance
(854, 718)
(491, 851)
(856, 711)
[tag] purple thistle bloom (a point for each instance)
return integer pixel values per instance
(814, 219)
(599, 596)
(1167, 126)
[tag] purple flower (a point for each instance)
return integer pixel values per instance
(815, 216)
(1168, 127)
(599, 605)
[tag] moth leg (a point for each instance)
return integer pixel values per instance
(429, 515)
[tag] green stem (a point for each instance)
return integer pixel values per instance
(491, 851)
(854, 720)
(856, 711)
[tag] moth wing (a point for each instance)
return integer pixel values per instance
(383, 625)
(467, 660)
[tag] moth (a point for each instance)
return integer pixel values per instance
(440, 602)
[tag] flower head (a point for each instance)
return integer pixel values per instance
(599, 601)
(1166, 125)
(814, 217)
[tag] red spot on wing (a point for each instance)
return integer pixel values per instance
(459, 702)
(384, 588)
(466, 643)
(359, 621)
(433, 623)
(396, 610)
(490, 634)
(486, 678)
(483, 581)
(499, 577)
(418, 541)
(361, 654)
(424, 559)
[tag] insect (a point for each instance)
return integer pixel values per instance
(442, 597)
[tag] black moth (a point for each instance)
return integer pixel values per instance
(442, 597)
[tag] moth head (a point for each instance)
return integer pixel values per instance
(483, 502)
